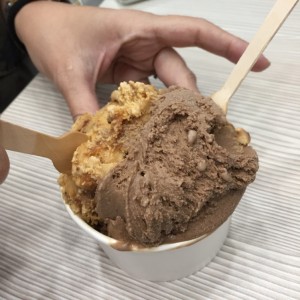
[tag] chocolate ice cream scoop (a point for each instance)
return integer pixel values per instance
(185, 170)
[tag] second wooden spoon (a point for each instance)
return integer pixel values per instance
(59, 149)
(272, 23)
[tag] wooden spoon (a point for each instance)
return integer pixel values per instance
(268, 29)
(59, 149)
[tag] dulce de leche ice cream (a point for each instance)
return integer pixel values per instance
(160, 166)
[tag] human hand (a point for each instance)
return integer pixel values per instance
(78, 46)
(4, 165)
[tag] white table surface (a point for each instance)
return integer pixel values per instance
(43, 255)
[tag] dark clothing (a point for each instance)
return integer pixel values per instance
(16, 69)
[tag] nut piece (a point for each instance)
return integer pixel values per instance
(202, 165)
(243, 136)
(145, 201)
(225, 175)
(192, 135)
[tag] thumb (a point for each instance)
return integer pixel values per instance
(81, 99)
(78, 90)
(4, 165)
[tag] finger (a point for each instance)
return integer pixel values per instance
(80, 101)
(171, 69)
(125, 72)
(179, 31)
(4, 165)
(144, 80)
(235, 51)
(79, 93)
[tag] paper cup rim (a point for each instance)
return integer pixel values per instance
(104, 239)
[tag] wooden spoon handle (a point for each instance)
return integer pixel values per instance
(20, 139)
(268, 29)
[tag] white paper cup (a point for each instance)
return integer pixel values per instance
(166, 262)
